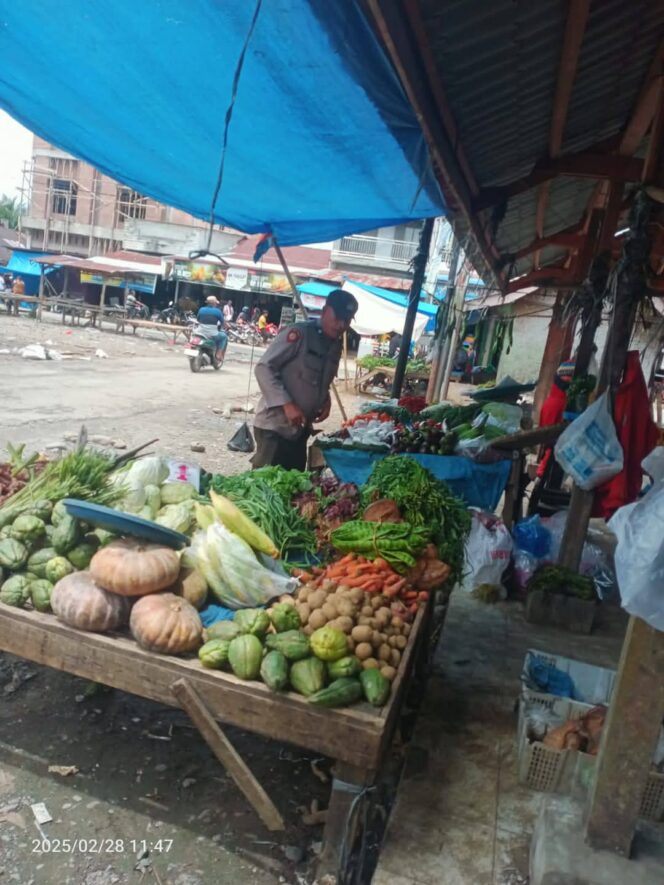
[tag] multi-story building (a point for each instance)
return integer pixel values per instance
(73, 208)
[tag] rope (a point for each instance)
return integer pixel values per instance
(229, 115)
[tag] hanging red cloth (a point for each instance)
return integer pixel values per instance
(638, 436)
(551, 413)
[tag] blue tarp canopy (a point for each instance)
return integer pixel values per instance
(322, 141)
(21, 265)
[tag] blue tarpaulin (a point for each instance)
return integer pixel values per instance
(322, 141)
(480, 485)
(21, 265)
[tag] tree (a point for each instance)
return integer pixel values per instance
(10, 209)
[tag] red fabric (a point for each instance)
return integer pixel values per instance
(638, 436)
(551, 413)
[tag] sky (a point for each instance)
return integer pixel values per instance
(15, 148)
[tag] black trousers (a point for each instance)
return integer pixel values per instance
(277, 451)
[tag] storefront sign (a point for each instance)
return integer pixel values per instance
(198, 272)
(313, 302)
(140, 282)
(237, 278)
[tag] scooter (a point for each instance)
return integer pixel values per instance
(202, 350)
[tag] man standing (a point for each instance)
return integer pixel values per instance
(295, 375)
(210, 316)
(228, 312)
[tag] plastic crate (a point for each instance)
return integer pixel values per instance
(592, 684)
(548, 770)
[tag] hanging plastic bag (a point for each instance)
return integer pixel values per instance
(488, 551)
(653, 464)
(639, 556)
(589, 449)
(532, 536)
(242, 440)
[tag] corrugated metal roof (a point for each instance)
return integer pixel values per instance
(498, 65)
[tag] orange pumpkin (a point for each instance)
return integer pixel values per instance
(166, 623)
(134, 568)
(81, 603)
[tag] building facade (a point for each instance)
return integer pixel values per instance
(75, 209)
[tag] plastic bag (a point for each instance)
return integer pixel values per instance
(371, 432)
(242, 440)
(525, 566)
(488, 551)
(589, 449)
(595, 563)
(505, 416)
(653, 464)
(532, 536)
(640, 556)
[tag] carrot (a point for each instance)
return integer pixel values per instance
(423, 596)
(411, 596)
(380, 563)
(394, 589)
(413, 608)
(349, 557)
(373, 586)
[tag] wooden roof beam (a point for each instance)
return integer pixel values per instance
(571, 237)
(585, 164)
(575, 28)
(645, 107)
(543, 276)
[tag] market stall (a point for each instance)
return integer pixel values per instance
(281, 602)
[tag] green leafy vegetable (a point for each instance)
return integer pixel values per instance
(396, 542)
(558, 579)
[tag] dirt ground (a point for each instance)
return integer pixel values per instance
(143, 774)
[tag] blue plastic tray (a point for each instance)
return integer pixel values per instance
(124, 523)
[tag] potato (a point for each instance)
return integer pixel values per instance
(370, 664)
(388, 672)
(356, 595)
(377, 602)
(397, 622)
(317, 598)
(376, 639)
(363, 650)
(351, 644)
(317, 619)
(395, 656)
(288, 599)
(382, 621)
(361, 633)
(364, 622)
(406, 629)
(308, 629)
(330, 610)
(391, 641)
(367, 611)
(385, 613)
(329, 585)
(303, 610)
(346, 607)
(385, 653)
(303, 594)
(401, 642)
(343, 623)
(374, 624)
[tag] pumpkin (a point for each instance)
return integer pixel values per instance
(134, 568)
(80, 602)
(166, 623)
(191, 586)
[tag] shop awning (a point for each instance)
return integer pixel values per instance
(22, 264)
(322, 141)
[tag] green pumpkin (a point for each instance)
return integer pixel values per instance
(293, 644)
(214, 654)
(223, 630)
(13, 554)
(57, 568)
(375, 686)
(40, 593)
(308, 676)
(43, 509)
(245, 654)
(285, 617)
(329, 644)
(274, 671)
(15, 591)
(340, 693)
(80, 556)
(37, 561)
(252, 620)
(66, 535)
(58, 513)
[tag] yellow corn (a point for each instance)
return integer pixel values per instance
(236, 521)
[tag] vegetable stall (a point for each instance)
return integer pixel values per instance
(283, 602)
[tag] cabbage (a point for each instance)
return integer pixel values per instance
(178, 517)
(177, 492)
(152, 499)
(148, 472)
(134, 498)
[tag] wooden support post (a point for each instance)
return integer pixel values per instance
(341, 825)
(102, 299)
(346, 360)
(433, 387)
(227, 755)
(556, 350)
(628, 741)
(41, 292)
(512, 489)
(419, 267)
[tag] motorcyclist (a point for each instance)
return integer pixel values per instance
(244, 317)
(211, 317)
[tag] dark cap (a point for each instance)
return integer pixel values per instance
(342, 303)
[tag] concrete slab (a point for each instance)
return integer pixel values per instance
(559, 855)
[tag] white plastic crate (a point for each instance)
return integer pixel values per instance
(592, 684)
(570, 771)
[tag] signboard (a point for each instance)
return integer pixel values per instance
(313, 302)
(269, 282)
(199, 272)
(142, 282)
(237, 278)
(287, 317)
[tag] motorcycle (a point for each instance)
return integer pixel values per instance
(202, 349)
(173, 315)
(135, 309)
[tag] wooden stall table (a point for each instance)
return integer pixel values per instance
(10, 299)
(357, 737)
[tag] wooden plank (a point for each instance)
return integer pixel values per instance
(351, 735)
(628, 741)
(527, 438)
(226, 753)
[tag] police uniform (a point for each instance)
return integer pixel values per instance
(298, 367)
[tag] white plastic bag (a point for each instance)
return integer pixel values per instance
(488, 551)
(589, 449)
(639, 556)
(653, 464)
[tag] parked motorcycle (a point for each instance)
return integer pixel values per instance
(173, 315)
(202, 349)
(135, 309)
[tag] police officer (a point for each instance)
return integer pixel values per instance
(295, 375)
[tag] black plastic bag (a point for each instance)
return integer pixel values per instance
(242, 440)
